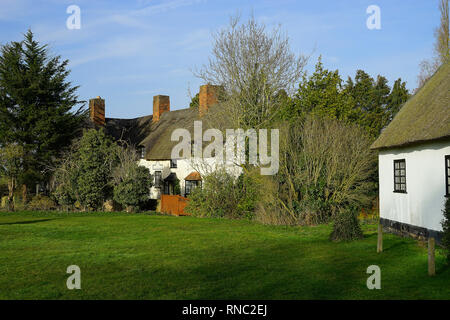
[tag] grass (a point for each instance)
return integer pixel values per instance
(142, 256)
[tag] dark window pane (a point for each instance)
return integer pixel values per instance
(158, 179)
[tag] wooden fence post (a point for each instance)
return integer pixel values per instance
(431, 262)
(380, 238)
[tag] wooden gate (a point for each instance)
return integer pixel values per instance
(173, 204)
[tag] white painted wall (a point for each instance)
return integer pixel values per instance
(425, 185)
(184, 168)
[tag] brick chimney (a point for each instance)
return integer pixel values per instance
(207, 97)
(97, 111)
(161, 104)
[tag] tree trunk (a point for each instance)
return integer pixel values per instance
(11, 189)
(24, 193)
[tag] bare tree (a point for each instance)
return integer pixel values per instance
(441, 47)
(254, 67)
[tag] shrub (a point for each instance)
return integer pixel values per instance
(325, 165)
(131, 182)
(346, 226)
(95, 157)
(134, 188)
(41, 202)
(446, 229)
(84, 174)
(223, 195)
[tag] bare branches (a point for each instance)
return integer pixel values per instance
(441, 47)
(253, 65)
(324, 162)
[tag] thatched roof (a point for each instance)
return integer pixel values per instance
(424, 117)
(155, 137)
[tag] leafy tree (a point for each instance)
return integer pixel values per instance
(374, 103)
(97, 169)
(134, 188)
(369, 98)
(321, 94)
(131, 182)
(11, 166)
(398, 96)
(35, 103)
(195, 101)
(363, 100)
(95, 158)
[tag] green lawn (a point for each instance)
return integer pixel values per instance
(143, 256)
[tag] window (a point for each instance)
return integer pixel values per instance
(167, 187)
(173, 163)
(191, 185)
(447, 176)
(158, 180)
(400, 176)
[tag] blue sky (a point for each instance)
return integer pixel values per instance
(129, 51)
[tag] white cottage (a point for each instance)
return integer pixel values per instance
(152, 137)
(414, 161)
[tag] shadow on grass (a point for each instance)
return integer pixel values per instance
(441, 269)
(26, 222)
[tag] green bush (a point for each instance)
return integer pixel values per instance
(95, 158)
(446, 229)
(85, 173)
(346, 226)
(223, 195)
(134, 188)
(41, 202)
